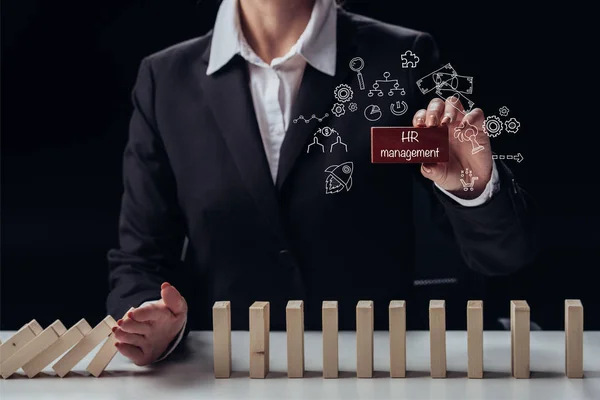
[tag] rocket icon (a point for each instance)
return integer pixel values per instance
(340, 177)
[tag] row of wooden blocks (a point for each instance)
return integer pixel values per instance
(33, 348)
(259, 339)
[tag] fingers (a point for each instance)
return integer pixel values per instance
(134, 353)
(433, 171)
(149, 312)
(475, 118)
(173, 299)
(132, 326)
(451, 107)
(419, 119)
(434, 112)
(128, 338)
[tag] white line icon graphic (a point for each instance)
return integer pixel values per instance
(301, 118)
(512, 125)
(517, 157)
(467, 132)
(409, 59)
(356, 65)
(395, 86)
(316, 145)
(372, 112)
(492, 126)
(447, 83)
(339, 178)
(343, 93)
(399, 108)
(338, 141)
(467, 179)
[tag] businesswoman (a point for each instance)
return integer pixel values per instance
(249, 151)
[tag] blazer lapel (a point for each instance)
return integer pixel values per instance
(315, 96)
(232, 105)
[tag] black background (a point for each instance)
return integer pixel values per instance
(67, 72)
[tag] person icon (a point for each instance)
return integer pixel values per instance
(315, 142)
(338, 140)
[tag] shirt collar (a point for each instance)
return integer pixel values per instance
(317, 44)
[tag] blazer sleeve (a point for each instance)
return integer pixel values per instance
(498, 237)
(151, 226)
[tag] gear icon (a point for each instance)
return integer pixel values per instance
(343, 93)
(504, 111)
(492, 126)
(353, 107)
(338, 109)
(512, 125)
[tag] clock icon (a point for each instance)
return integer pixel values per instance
(373, 112)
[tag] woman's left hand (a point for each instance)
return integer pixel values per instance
(470, 163)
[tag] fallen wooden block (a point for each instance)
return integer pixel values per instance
(519, 334)
(56, 349)
(475, 339)
(437, 338)
(259, 339)
(397, 323)
(330, 339)
(364, 339)
(103, 357)
(84, 346)
(295, 338)
(38, 344)
(574, 339)
(222, 339)
(17, 341)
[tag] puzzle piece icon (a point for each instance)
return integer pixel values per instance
(409, 59)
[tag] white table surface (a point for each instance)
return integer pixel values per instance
(191, 377)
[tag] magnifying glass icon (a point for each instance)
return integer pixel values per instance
(356, 65)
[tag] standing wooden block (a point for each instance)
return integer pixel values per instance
(437, 338)
(294, 314)
(222, 339)
(330, 339)
(38, 344)
(103, 357)
(17, 341)
(475, 339)
(574, 338)
(397, 321)
(62, 344)
(259, 339)
(84, 346)
(519, 335)
(364, 339)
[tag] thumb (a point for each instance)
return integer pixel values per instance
(173, 299)
(433, 171)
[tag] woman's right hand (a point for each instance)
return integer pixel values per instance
(144, 333)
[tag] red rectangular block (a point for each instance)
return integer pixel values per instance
(400, 144)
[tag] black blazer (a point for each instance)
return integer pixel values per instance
(194, 166)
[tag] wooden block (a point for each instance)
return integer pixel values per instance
(103, 357)
(38, 344)
(59, 347)
(330, 339)
(222, 339)
(84, 346)
(17, 341)
(259, 339)
(475, 339)
(519, 335)
(294, 313)
(574, 339)
(397, 322)
(364, 339)
(437, 338)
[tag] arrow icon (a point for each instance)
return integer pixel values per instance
(517, 157)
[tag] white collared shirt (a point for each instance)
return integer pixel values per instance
(274, 86)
